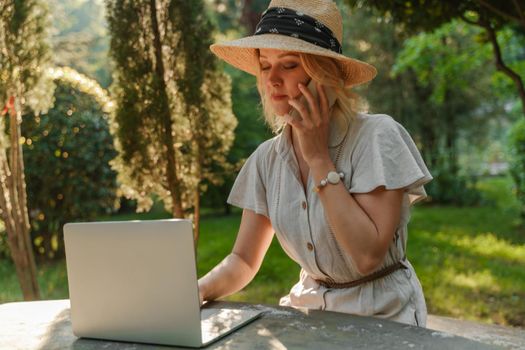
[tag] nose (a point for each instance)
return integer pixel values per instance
(274, 78)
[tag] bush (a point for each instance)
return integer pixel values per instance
(66, 155)
(517, 161)
(451, 188)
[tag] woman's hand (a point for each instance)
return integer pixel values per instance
(313, 128)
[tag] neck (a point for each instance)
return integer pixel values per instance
(295, 144)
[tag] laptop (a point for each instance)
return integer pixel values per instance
(136, 281)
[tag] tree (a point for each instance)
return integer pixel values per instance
(517, 161)
(23, 60)
(80, 39)
(491, 15)
(236, 18)
(67, 151)
(447, 61)
(174, 118)
(425, 82)
(237, 15)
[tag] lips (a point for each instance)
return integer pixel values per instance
(278, 97)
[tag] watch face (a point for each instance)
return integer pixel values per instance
(333, 177)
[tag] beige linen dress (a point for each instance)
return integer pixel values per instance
(372, 151)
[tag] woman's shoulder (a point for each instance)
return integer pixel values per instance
(369, 125)
(372, 121)
(265, 153)
(266, 147)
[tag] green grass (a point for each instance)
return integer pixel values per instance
(471, 261)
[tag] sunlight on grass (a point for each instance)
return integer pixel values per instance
(489, 245)
(501, 191)
(482, 244)
(476, 280)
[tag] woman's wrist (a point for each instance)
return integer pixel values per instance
(202, 291)
(320, 168)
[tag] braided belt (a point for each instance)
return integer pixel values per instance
(368, 278)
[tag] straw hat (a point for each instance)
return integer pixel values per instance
(309, 26)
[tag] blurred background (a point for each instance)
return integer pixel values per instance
(123, 113)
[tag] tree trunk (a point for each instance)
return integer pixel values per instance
(200, 161)
(13, 204)
(227, 208)
(451, 135)
(500, 64)
(249, 17)
(196, 217)
(173, 182)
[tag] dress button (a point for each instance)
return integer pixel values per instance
(310, 246)
(304, 205)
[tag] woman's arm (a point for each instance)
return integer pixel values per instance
(363, 223)
(238, 269)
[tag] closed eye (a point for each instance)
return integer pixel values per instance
(288, 66)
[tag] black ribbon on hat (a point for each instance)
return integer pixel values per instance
(285, 21)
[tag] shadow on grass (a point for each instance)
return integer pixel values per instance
(485, 279)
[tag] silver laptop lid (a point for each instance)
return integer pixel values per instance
(134, 281)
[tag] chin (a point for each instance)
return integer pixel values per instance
(281, 110)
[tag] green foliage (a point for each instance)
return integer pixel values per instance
(212, 126)
(448, 56)
(225, 14)
(80, 38)
(447, 61)
(427, 15)
(186, 110)
(517, 163)
(67, 153)
(500, 191)
(453, 189)
(251, 129)
(24, 57)
(377, 40)
(25, 54)
(502, 22)
(438, 86)
(512, 42)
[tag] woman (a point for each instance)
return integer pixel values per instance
(335, 185)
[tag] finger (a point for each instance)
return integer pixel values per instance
(323, 101)
(302, 110)
(313, 104)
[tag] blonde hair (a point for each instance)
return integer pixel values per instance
(326, 71)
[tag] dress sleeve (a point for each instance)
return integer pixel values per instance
(249, 188)
(385, 155)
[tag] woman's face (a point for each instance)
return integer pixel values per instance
(281, 72)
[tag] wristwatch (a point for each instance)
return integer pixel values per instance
(333, 178)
